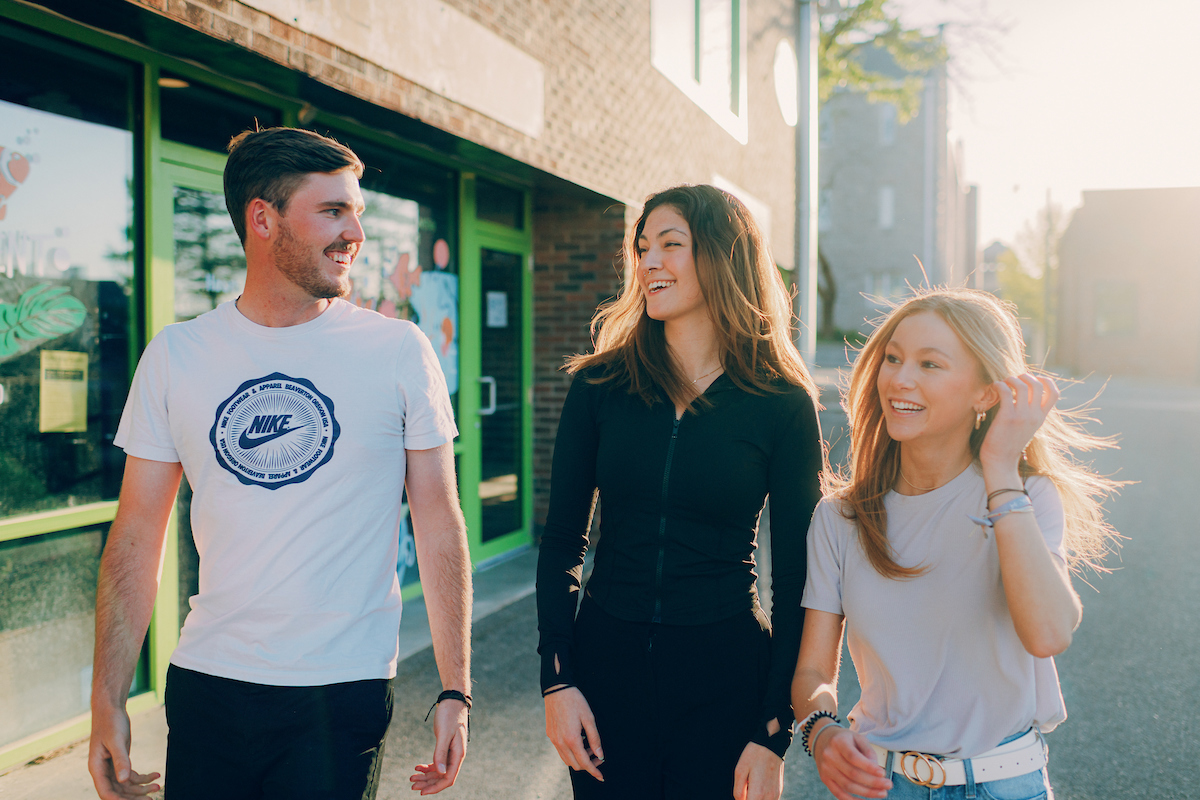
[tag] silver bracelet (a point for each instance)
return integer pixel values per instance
(1018, 505)
(812, 744)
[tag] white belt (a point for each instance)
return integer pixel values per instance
(1009, 760)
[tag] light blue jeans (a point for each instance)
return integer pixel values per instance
(1031, 786)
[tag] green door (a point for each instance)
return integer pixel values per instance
(495, 409)
(197, 264)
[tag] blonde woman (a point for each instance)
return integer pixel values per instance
(944, 556)
(694, 407)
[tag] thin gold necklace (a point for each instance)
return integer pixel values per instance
(705, 375)
(904, 478)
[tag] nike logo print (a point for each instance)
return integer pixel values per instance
(246, 443)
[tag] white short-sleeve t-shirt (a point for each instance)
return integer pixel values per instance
(940, 665)
(293, 440)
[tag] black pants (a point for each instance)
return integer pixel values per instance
(232, 740)
(675, 706)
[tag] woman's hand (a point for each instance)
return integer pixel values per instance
(568, 720)
(847, 766)
(759, 774)
(1025, 401)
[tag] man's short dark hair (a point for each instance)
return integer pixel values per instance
(272, 163)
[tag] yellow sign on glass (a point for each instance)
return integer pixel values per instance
(63, 406)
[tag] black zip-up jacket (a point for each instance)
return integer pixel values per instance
(681, 500)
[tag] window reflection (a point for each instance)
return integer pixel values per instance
(205, 117)
(66, 273)
(210, 265)
(47, 615)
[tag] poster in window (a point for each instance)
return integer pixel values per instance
(62, 406)
(497, 309)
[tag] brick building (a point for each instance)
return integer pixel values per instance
(508, 144)
(891, 193)
(1129, 285)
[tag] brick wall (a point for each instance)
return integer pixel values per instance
(577, 240)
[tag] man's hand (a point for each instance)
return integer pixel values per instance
(759, 774)
(441, 539)
(450, 733)
(124, 602)
(108, 759)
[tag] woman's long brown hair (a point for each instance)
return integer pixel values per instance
(749, 306)
(989, 329)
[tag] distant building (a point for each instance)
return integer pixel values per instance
(891, 194)
(1129, 285)
(987, 276)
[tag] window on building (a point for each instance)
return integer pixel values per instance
(1116, 308)
(47, 617)
(500, 204)
(205, 117)
(825, 210)
(887, 208)
(408, 265)
(210, 265)
(887, 124)
(825, 126)
(67, 249)
(700, 45)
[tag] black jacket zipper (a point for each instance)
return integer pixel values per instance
(662, 524)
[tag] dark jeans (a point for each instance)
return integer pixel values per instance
(675, 706)
(244, 741)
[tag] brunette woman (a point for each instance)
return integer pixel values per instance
(944, 555)
(694, 407)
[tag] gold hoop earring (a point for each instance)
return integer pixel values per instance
(980, 416)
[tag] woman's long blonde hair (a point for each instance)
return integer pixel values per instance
(988, 328)
(750, 308)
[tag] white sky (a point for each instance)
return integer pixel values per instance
(1088, 94)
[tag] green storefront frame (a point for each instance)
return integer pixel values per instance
(162, 165)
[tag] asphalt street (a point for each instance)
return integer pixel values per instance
(1131, 679)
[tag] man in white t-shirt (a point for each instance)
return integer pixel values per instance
(298, 420)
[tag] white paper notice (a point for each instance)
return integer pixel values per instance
(497, 309)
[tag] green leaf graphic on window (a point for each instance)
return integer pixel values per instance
(43, 312)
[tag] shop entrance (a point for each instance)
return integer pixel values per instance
(501, 413)
(495, 422)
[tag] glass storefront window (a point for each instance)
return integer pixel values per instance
(408, 268)
(66, 273)
(210, 265)
(47, 619)
(499, 204)
(205, 117)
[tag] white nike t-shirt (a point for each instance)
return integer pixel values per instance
(293, 441)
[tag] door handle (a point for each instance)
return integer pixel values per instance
(491, 406)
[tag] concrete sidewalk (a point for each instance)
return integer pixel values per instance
(63, 774)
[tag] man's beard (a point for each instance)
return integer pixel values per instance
(295, 261)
